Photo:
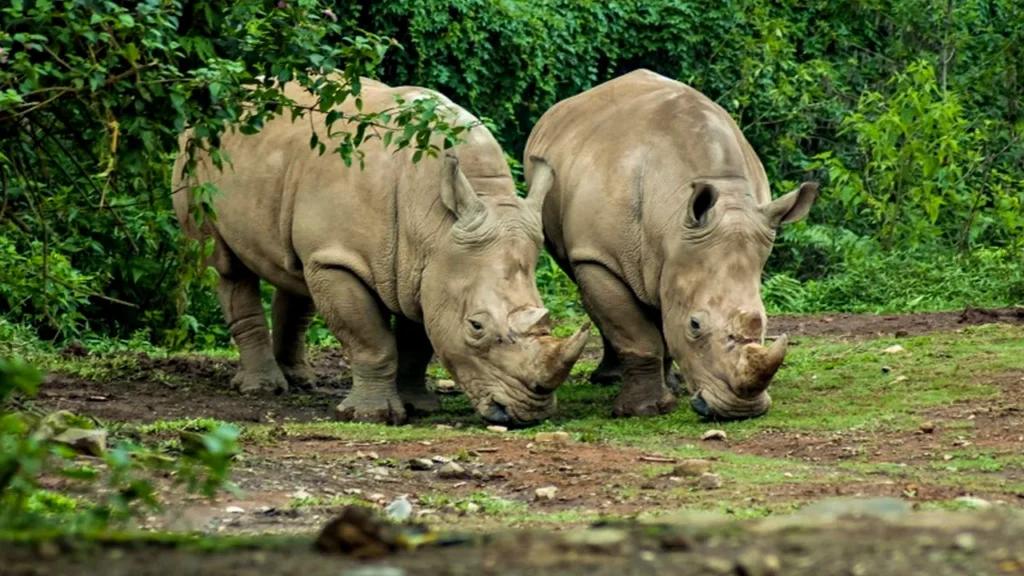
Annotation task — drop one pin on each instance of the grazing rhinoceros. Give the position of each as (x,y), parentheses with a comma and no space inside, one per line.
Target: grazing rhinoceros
(444,246)
(662,214)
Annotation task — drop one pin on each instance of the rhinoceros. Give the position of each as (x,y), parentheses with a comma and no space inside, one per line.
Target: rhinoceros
(443,247)
(662,214)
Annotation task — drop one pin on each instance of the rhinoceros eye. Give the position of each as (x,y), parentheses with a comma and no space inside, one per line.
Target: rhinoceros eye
(475,325)
(694,325)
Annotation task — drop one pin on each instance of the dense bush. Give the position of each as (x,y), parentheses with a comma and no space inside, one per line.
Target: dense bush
(907,110)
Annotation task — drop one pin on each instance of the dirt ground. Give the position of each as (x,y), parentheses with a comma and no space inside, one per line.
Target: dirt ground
(296,480)
(868,543)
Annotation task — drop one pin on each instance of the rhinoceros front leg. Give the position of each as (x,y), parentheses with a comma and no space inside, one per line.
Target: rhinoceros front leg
(361,323)
(635,340)
(239,294)
(414,354)
(609,371)
(292,314)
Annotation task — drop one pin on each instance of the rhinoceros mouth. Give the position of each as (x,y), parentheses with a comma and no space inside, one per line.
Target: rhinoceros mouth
(510,402)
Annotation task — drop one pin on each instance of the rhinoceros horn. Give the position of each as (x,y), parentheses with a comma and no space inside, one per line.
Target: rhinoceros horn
(758,365)
(559,356)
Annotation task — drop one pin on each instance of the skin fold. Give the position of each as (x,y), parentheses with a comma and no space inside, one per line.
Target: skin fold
(662,214)
(403,260)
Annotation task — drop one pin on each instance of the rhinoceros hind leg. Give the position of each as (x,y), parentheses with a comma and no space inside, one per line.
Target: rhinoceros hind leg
(609,371)
(292,315)
(239,292)
(635,339)
(360,321)
(414,354)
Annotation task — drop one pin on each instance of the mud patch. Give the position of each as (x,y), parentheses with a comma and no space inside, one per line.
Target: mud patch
(887,326)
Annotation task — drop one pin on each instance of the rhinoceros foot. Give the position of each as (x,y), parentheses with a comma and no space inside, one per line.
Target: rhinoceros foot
(640,402)
(420,401)
(299,376)
(266,382)
(605,376)
(382,411)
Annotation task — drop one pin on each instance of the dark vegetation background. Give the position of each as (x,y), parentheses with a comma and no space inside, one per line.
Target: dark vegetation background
(908,111)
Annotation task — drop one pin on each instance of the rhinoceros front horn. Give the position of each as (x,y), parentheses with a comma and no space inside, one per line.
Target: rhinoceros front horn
(559,356)
(758,365)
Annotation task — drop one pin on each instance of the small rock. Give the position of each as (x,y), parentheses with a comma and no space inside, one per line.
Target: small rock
(714,435)
(442,427)
(379,471)
(451,470)
(709,481)
(421,464)
(399,510)
(472,507)
(901,378)
(605,539)
(234,510)
(692,467)
(927,427)
(497,429)
(441,459)
(367,455)
(974,502)
(965,541)
(445,386)
(558,437)
(352,491)
(91,442)
(947,457)
(545,493)
(374,571)
(377,498)
(886,369)
(753,563)
(894,349)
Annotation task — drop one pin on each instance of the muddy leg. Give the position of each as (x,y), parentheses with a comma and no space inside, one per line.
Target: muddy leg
(414,353)
(609,371)
(635,339)
(361,323)
(239,293)
(292,314)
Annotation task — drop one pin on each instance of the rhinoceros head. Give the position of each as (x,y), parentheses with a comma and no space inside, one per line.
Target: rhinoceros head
(713,316)
(482,311)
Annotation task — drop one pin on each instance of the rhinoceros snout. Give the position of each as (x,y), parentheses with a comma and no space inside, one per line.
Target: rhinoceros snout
(705,411)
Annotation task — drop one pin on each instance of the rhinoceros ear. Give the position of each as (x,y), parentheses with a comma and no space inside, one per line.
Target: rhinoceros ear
(791,207)
(456,191)
(542,181)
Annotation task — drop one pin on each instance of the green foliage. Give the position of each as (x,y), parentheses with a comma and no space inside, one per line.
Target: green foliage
(93,97)
(31,453)
(908,111)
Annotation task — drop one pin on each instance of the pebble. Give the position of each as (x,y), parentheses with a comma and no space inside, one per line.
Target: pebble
(901,379)
(301,494)
(421,464)
(445,386)
(374,571)
(886,369)
(352,491)
(692,467)
(714,435)
(545,493)
(709,481)
(399,510)
(753,563)
(965,541)
(379,471)
(472,507)
(927,427)
(441,459)
(974,502)
(442,427)
(894,349)
(559,437)
(234,510)
(451,470)
(497,429)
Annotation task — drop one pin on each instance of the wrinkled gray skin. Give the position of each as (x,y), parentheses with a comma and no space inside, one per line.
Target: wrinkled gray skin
(443,246)
(662,214)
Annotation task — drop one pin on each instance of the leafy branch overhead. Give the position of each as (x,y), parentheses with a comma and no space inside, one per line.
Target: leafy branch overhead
(93,98)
